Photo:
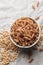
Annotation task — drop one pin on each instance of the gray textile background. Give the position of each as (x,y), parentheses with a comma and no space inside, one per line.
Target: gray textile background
(13,9)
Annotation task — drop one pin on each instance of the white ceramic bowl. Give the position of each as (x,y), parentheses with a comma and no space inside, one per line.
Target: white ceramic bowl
(30,45)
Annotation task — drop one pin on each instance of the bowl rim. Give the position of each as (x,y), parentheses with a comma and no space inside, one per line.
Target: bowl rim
(33,43)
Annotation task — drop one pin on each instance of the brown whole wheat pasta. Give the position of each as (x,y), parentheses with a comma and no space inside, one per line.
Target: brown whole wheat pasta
(38,3)
(24,31)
